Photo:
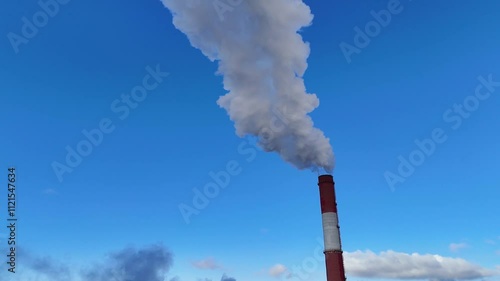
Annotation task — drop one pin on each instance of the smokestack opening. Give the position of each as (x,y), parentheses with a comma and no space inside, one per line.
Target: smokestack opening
(325,178)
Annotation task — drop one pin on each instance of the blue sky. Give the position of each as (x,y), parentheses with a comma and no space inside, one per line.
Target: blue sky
(127,191)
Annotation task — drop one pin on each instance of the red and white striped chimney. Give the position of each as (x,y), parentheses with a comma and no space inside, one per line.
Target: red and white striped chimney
(331,232)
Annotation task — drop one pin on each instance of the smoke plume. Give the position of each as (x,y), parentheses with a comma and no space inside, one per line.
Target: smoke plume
(262,58)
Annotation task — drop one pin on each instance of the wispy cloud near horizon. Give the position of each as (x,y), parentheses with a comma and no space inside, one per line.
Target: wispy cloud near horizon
(208,263)
(456,247)
(396,265)
(149,263)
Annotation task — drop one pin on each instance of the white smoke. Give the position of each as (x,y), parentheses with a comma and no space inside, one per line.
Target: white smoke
(263,59)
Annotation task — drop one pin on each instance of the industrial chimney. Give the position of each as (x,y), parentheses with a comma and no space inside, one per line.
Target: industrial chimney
(331,232)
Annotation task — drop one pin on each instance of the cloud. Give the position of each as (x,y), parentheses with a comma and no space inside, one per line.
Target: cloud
(394,265)
(49,191)
(208,263)
(226,278)
(44,266)
(455,247)
(150,263)
(130,264)
(223,278)
(278,270)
